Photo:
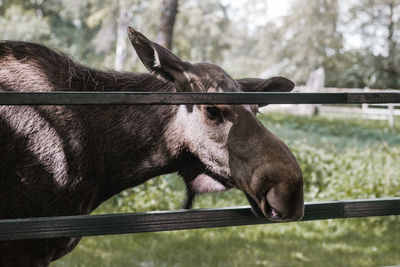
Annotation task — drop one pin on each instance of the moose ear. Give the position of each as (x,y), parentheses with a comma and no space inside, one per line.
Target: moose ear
(159,61)
(274,84)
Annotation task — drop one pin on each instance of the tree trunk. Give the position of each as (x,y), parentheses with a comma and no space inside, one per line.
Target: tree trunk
(169,10)
(393,69)
(122,24)
(391,25)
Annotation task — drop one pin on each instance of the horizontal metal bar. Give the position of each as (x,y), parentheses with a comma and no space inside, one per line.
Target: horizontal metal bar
(157,98)
(92,225)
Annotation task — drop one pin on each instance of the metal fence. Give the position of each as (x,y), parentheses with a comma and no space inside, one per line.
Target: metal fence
(90,225)
(157,98)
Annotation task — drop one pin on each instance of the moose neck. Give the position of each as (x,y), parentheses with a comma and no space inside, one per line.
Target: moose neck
(129,143)
(138,148)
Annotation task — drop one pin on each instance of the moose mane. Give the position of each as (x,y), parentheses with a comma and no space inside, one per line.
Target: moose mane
(64,74)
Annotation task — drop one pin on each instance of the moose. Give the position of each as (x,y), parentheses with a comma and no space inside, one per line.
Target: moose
(68,159)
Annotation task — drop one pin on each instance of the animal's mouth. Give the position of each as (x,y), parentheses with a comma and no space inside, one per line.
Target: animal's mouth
(264,209)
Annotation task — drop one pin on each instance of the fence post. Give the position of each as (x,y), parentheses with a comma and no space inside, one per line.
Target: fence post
(364,106)
(391,115)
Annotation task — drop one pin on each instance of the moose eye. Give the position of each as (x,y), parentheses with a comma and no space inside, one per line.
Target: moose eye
(213,111)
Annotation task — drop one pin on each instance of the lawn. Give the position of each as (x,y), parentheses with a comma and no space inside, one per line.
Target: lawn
(341,159)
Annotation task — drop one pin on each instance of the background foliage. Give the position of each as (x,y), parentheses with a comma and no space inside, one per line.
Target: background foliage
(357,41)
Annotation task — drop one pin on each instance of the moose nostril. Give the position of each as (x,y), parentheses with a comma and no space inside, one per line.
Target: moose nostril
(269,211)
(274,214)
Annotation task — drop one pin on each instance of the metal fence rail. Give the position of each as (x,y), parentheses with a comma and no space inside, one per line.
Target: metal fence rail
(157,98)
(92,225)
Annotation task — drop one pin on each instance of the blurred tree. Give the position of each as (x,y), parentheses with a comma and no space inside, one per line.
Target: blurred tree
(111,18)
(66,31)
(306,39)
(238,37)
(202,30)
(248,53)
(123,20)
(378,23)
(92,30)
(14,20)
(169,9)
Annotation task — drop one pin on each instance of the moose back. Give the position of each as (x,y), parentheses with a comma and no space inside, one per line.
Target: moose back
(66,160)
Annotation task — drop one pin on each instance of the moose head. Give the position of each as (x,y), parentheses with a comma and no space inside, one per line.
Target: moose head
(229,145)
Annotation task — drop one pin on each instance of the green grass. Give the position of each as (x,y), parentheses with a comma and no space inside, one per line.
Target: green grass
(341,159)
(328,243)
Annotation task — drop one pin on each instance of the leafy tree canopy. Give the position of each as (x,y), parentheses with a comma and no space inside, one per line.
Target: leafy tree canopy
(357,41)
